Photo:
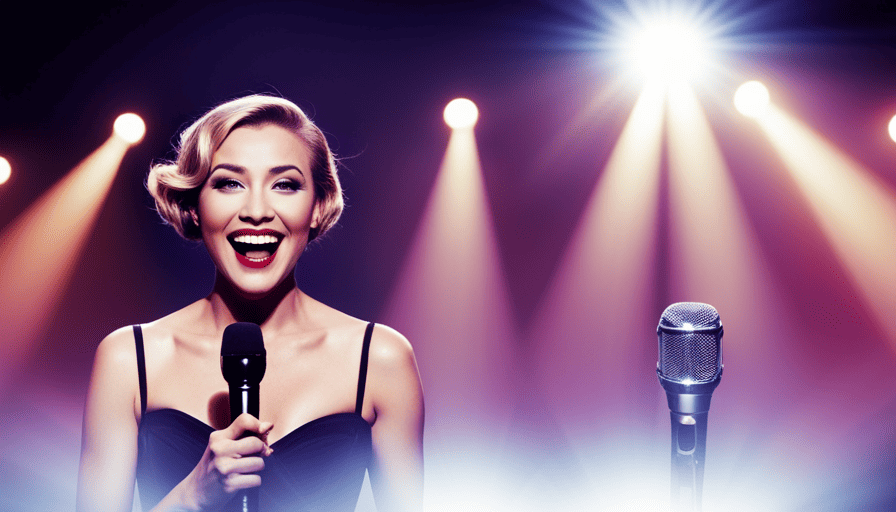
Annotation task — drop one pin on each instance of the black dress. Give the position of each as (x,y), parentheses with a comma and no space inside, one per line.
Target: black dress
(318,466)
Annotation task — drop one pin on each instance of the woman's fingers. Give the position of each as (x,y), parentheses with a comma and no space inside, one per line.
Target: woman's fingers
(227,466)
(235,482)
(245,423)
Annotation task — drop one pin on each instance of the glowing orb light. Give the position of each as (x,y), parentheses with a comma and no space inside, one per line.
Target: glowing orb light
(130,127)
(751,99)
(892,128)
(669,49)
(461,113)
(6,170)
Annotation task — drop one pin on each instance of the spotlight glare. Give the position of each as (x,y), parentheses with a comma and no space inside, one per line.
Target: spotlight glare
(751,99)
(5,170)
(461,113)
(130,127)
(669,49)
(892,128)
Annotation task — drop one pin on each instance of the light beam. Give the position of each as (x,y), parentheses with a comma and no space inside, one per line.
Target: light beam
(451,302)
(40,248)
(856,212)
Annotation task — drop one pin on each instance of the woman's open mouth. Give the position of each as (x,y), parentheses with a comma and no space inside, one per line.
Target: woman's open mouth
(254,249)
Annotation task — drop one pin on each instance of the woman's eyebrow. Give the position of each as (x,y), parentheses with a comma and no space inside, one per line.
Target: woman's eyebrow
(229,167)
(283,168)
(280,169)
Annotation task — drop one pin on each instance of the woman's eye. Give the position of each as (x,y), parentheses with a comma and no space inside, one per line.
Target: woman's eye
(226,184)
(288,185)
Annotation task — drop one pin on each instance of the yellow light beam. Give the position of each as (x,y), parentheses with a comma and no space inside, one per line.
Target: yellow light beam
(599,303)
(855,211)
(451,302)
(715,256)
(39,250)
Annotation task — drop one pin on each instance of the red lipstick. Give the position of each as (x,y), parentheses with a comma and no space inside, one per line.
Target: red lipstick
(253,263)
(251,251)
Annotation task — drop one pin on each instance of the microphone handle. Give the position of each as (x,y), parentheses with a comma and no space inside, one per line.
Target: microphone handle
(244,398)
(688,459)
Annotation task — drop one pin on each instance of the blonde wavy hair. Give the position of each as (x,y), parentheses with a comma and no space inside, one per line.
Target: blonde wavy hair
(175,185)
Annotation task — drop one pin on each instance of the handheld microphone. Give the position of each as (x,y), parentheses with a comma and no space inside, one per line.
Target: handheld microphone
(243,362)
(689,368)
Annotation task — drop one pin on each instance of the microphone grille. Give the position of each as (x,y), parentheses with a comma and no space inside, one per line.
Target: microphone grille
(690,343)
(242,339)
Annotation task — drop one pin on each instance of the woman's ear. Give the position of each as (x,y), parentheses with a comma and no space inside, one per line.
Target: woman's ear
(194,216)
(315,216)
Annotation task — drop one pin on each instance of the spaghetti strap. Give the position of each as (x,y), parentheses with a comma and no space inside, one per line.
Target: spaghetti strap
(362,374)
(141,367)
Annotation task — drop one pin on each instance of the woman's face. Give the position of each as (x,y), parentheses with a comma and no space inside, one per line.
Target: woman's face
(257,207)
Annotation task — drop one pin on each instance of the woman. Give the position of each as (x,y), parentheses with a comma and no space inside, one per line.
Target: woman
(255,180)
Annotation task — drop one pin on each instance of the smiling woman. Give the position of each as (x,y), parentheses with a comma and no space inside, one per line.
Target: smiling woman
(255,181)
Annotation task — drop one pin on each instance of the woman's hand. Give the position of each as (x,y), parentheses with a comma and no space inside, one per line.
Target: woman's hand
(230,463)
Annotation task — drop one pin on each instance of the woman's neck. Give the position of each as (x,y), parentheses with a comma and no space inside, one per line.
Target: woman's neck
(272,310)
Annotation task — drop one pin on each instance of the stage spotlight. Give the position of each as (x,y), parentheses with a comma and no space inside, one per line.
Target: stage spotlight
(892,128)
(669,49)
(751,99)
(6,169)
(130,128)
(461,113)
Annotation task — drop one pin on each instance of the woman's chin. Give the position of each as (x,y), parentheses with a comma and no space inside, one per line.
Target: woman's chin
(258,287)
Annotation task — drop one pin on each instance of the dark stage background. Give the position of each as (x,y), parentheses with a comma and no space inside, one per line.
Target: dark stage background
(539,373)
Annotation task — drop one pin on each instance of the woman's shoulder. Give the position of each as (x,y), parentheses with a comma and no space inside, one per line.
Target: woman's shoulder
(389,347)
(176,325)
(393,378)
(117,348)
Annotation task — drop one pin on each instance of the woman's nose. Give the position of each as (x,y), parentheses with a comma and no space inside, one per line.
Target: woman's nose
(256,209)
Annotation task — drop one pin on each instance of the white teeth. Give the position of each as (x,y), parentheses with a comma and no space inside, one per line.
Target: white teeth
(255,239)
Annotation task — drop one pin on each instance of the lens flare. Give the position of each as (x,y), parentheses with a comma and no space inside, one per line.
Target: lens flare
(130,128)
(752,99)
(461,113)
(6,170)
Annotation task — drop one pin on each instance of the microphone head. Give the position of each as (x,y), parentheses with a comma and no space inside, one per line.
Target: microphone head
(243,358)
(690,345)
(242,339)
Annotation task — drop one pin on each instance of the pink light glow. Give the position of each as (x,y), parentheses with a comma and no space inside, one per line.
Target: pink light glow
(856,212)
(39,251)
(451,302)
(599,304)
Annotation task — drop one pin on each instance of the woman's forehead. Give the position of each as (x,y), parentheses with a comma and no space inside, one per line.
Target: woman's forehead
(263,145)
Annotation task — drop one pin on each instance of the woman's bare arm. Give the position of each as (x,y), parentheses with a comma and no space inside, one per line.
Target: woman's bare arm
(109,443)
(109,432)
(396,473)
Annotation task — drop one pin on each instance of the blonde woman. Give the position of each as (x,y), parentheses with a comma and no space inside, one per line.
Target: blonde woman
(254,180)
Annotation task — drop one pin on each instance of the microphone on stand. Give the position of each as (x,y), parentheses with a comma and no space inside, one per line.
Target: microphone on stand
(243,362)
(689,368)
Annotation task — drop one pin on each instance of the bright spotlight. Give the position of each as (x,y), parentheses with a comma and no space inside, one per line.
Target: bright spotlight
(751,99)
(129,127)
(6,169)
(461,113)
(669,49)
(892,128)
